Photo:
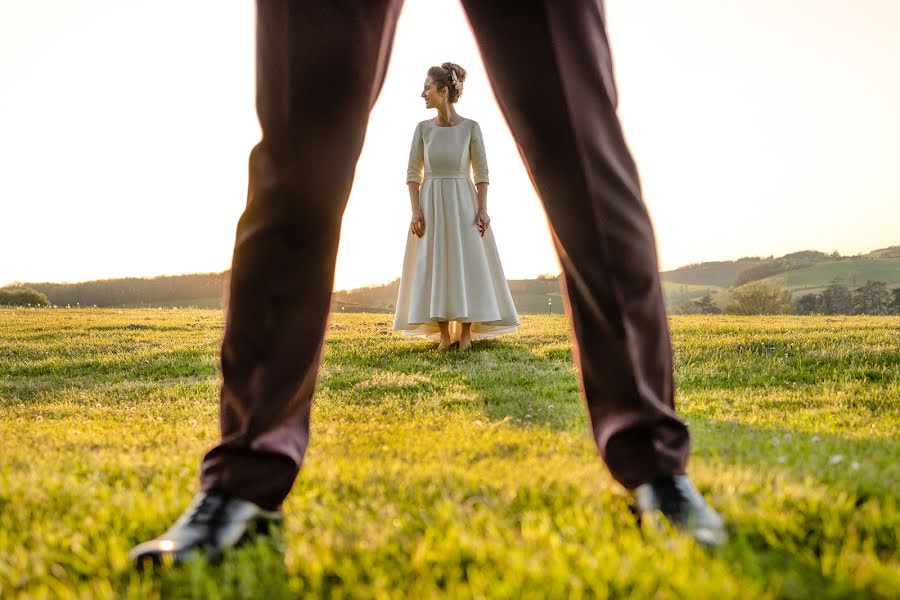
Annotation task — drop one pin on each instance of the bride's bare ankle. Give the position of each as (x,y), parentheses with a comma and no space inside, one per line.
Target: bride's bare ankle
(465,338)
(445,342)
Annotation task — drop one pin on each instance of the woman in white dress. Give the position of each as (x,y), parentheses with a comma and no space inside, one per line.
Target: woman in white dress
(452,286)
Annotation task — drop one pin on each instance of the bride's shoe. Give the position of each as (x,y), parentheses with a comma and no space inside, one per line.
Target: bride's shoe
(465,344)
(445,345)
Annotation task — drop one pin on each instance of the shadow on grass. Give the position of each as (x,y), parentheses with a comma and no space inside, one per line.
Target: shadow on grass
(495,380)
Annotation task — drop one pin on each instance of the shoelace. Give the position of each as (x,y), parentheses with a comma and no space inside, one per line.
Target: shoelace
(208,509)
(673,497)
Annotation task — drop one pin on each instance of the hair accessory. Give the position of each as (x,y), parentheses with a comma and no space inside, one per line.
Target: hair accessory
(456,82)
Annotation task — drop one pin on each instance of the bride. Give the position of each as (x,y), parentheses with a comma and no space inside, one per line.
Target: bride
(452,286)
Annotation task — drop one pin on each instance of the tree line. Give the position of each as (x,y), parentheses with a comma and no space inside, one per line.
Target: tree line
(762,298)
(22,297)
(754,298)
(131,291)
(872,298)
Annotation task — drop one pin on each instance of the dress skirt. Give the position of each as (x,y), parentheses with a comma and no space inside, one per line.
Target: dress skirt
(452,273)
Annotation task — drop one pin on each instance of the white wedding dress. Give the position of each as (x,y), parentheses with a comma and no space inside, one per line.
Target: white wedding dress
(451,273)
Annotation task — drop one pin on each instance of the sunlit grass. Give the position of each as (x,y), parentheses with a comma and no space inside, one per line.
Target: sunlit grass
(452,475)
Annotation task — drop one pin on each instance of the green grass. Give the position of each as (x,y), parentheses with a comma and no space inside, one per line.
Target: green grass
(212,302)
(453,475)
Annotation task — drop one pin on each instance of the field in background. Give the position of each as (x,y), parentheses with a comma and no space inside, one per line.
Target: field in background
(799,272)
(453,475)
(717,279)
(852,272)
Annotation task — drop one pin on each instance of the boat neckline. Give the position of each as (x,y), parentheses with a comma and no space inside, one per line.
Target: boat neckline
(446,126)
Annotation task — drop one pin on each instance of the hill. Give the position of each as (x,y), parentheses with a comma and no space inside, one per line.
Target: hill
(852,272)
(718,274)
(201,290)
(890,252)
(805,271)
(207,290)
(744,270)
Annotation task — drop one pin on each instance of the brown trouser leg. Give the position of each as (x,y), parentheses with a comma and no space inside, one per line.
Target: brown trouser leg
(550,67)
(320,66)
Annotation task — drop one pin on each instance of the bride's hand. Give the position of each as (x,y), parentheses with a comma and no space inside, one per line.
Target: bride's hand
(417,223)
(482,221)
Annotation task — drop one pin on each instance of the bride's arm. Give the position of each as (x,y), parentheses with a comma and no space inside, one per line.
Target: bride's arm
(413,181)
(417,222)
(481,189)
(480,174)
(482,220)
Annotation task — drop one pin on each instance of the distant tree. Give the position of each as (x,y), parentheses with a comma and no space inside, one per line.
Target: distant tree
(134,290)
(547,277)
(872,298)
(894,308)
(706,306)
(684,307)
(23,297)
(805,258)
(759,298)
(807,304)
(767,268)
(835,299)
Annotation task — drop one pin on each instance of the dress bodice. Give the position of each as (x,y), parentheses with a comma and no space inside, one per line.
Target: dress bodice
(447,152)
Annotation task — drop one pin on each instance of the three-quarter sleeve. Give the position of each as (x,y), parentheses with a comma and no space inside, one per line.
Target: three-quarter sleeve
(478,156)
(416,157)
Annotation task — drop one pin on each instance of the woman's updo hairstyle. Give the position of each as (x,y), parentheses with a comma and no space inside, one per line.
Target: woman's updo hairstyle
(450,76)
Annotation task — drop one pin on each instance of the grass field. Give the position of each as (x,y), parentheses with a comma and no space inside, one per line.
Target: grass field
(453,475)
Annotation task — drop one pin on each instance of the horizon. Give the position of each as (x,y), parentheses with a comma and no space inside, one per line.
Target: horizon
(135,161)
(397,277)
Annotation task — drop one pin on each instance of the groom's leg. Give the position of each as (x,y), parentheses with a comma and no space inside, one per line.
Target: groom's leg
(320,66)
(550,66)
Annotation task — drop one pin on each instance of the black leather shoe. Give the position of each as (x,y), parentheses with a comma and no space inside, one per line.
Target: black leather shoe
(679,501)
(213,522)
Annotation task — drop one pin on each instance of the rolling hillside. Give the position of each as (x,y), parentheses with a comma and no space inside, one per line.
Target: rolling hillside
(800,272)
(852,272)
(717,274)
(744,270)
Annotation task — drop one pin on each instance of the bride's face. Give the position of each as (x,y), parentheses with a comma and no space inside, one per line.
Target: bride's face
(433,98)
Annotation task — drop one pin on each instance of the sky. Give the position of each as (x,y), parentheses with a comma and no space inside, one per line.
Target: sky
(760,127)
